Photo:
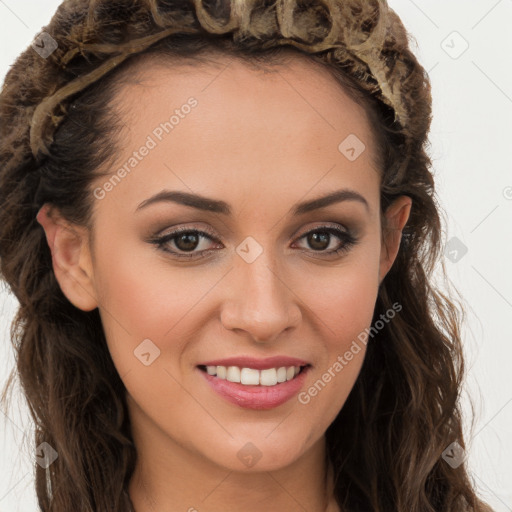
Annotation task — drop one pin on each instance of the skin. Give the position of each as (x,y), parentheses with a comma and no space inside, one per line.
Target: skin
(290,301)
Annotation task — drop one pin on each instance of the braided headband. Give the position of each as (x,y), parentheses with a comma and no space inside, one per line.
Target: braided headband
(44,111)
(368,52)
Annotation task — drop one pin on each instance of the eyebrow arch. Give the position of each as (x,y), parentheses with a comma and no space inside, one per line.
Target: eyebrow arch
(213,205)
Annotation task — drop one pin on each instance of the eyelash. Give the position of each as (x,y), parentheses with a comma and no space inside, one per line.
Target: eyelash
(161,242)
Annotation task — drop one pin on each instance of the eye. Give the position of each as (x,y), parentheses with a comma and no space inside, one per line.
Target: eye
(321,238)
(185,240)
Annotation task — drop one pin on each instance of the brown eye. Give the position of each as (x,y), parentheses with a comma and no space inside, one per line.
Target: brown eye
(184,242)
(187,241)
(319,240)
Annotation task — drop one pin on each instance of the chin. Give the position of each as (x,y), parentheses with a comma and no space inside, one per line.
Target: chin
(257,454)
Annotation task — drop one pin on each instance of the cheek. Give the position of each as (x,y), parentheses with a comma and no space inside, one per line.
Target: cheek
(137,300)
(344,298)
(344,303)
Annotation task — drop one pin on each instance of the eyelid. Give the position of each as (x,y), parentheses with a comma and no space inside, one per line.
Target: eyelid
(347,238)
(213,235)
(317,227)
(179,229)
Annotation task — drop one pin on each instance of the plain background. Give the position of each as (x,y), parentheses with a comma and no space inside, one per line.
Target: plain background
(465,47)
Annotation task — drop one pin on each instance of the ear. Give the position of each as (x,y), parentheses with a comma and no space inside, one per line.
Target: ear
(396,216)
(70,257)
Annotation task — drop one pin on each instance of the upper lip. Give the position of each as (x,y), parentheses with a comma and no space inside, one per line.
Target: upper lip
(257,363)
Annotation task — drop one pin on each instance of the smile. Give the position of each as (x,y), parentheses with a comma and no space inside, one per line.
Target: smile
(261,388)
(252,376)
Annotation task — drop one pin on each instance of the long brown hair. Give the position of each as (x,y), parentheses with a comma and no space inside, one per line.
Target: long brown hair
(58,127)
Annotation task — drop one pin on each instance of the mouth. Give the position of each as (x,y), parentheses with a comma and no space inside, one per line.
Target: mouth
(255,388)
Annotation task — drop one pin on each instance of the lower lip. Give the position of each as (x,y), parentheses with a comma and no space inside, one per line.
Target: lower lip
(256,397)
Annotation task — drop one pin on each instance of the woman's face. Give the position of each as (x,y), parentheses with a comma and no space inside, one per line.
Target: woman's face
(239,160)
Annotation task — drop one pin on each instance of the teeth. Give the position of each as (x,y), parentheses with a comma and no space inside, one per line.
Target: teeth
(221,372)
(281,374)
(268,377)
(252,377)
(233,374)
(249,376)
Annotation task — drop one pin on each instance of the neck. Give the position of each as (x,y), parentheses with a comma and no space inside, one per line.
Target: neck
(170,477)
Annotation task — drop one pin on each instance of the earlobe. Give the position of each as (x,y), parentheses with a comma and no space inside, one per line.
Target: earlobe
(396,217)
(70,258)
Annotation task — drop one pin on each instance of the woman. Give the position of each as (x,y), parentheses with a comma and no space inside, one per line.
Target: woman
(219,222)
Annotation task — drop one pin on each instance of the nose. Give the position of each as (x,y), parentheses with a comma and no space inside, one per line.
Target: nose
(261,304)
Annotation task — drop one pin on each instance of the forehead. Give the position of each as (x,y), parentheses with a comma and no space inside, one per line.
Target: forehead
(268,128)
(288,80)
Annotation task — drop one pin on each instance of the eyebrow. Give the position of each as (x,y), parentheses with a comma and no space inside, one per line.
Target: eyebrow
(217,206)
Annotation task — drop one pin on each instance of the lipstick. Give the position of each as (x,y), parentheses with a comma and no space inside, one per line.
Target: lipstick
(255,383)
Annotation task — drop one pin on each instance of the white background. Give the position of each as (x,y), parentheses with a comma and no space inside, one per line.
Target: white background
(471,150)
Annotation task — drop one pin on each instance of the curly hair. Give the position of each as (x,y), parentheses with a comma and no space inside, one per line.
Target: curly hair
(58,127)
